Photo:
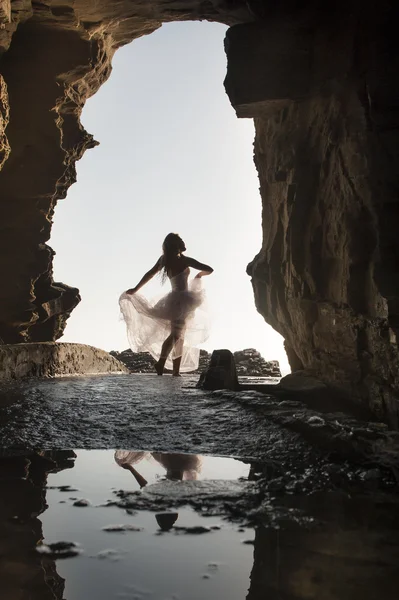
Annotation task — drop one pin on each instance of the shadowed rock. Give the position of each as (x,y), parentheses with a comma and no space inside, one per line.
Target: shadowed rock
(322,87)
(221,373)
(50,359)
(166,520)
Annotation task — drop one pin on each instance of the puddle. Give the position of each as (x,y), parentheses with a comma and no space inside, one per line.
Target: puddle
(138,525)
(128,555)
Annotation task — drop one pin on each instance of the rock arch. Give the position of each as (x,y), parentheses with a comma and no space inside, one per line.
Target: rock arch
(320,81)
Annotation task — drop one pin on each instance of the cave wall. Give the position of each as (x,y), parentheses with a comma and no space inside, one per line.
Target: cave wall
(326,110)
(319,79)
(55,55)
(24,573)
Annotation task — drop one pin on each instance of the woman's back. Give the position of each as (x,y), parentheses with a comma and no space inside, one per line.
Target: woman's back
(175,265)
(180,281)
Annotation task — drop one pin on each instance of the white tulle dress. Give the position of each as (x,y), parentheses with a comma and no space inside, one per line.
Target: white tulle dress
(183,309)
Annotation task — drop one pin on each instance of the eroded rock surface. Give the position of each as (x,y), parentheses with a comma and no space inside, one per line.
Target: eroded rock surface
(221,373)
(326,110)
(50,359)
(57,56)
(23,572)
(322,88)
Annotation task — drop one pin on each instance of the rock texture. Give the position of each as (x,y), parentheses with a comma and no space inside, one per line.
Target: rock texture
(50,359)
(25,573)
(55,56)
(326,110)
(248,362)
(321,82)
(221,373)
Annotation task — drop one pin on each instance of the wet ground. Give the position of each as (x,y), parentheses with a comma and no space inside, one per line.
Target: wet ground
(208,495)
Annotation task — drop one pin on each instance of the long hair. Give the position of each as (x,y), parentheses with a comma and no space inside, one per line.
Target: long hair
(171,247)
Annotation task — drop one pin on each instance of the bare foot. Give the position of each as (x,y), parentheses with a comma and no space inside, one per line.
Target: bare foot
(158,368)
(176,375)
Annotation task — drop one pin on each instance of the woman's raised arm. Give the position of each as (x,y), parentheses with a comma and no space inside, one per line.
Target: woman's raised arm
(202,268)
(149,275)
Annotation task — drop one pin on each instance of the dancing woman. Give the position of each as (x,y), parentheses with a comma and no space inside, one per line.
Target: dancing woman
(175,324)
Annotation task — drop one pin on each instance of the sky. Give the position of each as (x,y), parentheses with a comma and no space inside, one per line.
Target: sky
(173,156)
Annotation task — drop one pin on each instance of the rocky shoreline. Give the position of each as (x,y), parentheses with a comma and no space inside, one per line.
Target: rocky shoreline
(249,362)
(55,359)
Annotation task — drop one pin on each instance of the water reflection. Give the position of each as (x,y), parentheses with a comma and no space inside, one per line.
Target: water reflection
(349,551)
(178,467)
(23,573)
(352,553)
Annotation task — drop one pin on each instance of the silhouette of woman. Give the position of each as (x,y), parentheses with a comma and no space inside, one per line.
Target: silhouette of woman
(178,467)
(176,324)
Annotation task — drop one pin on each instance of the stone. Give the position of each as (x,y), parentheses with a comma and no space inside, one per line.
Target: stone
(322,87)
(221,373)
(51,359)
(82,503)
(301,382)
(194,530)
(59,550)
(121,528)
(166,520)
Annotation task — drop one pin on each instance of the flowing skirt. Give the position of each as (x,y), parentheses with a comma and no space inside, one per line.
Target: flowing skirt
(150,322)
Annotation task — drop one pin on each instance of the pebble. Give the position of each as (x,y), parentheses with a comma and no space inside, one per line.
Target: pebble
(82,502)
(62,488)
(59,549)
(121,528)
(196,529)
(166,520)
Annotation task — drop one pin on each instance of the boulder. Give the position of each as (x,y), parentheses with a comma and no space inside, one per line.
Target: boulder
(301,382)
(221,373)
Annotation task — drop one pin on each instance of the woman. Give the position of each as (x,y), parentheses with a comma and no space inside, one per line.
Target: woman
(179,467)
(175,324)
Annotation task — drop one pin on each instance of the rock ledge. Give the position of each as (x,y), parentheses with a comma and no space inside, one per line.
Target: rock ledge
(52,359)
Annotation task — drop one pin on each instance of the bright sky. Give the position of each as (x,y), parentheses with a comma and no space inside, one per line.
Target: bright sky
(173,157)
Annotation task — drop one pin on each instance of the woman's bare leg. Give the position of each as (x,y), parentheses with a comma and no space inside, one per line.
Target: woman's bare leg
(166,348)
(176,366)
(179,352)
(174,338)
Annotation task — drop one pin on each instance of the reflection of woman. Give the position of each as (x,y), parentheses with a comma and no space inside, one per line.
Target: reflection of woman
(126,460)
(178,466)
(174,324)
